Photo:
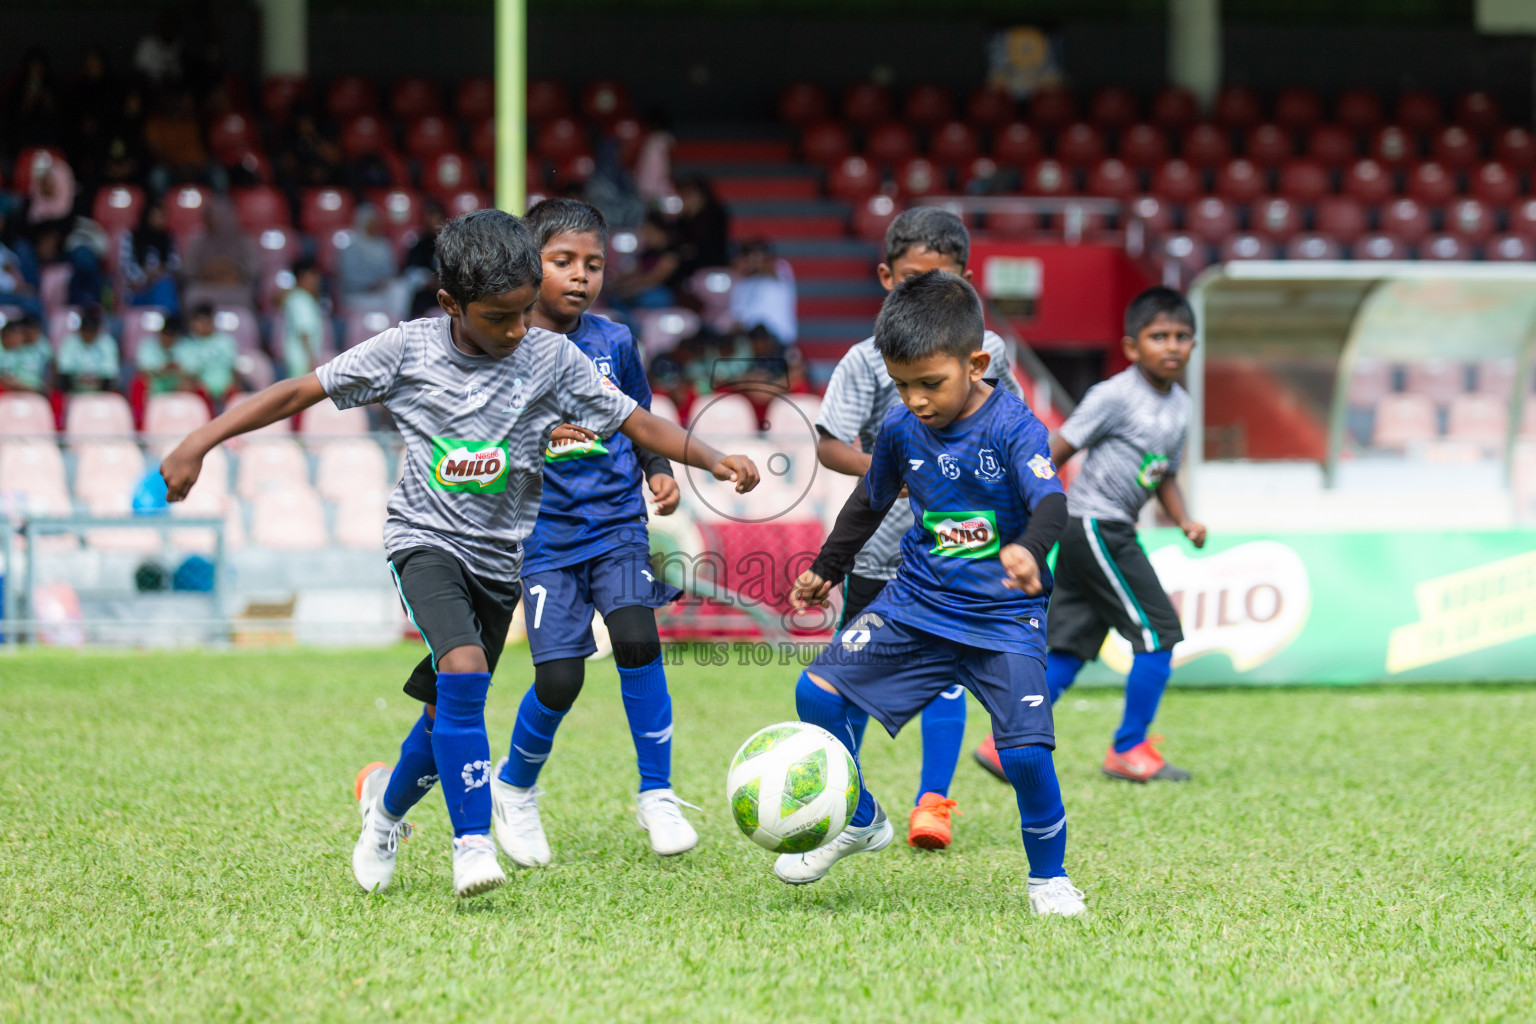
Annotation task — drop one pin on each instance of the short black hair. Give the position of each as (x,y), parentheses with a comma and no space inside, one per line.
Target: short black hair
(90,317)
(932,312)
(486,252)
(303,266)
(550,217)
(202,309)
(930,228)
(1156,302)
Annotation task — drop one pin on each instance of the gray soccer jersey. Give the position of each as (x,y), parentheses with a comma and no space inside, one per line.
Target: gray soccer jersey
(858,396)
(1134,435)
(475,430)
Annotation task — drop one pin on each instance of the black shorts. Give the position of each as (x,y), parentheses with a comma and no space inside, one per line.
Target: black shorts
(1104,580)
(452,607)
(858,592)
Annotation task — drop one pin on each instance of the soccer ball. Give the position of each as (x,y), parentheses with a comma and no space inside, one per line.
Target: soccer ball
(792,787)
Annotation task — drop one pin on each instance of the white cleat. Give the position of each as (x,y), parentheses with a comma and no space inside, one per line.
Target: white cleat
(801,868)
(660,813)
(515,816)
(373,858)
(1056,896)
(475,869)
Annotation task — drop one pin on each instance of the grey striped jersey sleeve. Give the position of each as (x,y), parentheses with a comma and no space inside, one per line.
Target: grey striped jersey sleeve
(849,399)
(365,373)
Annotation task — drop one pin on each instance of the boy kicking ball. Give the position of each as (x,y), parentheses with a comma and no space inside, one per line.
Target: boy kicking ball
(1133,428)
(476,396)
(965,605)
(858,397)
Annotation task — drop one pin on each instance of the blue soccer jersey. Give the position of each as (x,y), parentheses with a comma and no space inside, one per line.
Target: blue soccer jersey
(592,492)
(972,487)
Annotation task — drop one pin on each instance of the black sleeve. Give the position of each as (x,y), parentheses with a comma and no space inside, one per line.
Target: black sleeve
(651,463)
(856,523)
(1045,525)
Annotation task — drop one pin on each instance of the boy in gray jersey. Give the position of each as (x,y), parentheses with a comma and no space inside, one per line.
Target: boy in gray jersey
(1132,427)
(476,396)
(858,397)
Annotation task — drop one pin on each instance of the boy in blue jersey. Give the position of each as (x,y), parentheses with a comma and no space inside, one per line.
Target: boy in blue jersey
(965,604)
(590,550)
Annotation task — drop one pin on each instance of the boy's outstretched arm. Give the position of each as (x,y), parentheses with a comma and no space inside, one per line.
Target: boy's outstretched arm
(1172,499)
(284,399)
(671,441)
(1061,451)
(840,456)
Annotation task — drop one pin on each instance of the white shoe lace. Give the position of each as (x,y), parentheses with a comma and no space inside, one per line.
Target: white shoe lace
(523,811)
(667,808)
(388,833)
(1059,886)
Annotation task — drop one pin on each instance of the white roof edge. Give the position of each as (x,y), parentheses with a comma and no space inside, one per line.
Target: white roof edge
(1365,270)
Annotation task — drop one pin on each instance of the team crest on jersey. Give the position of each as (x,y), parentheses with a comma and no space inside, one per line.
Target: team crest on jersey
(963,534)
(607,382)
(604,366)
(949,466)
(475,395)
(469,467)
(988,467)
(519,396)
(1041,467)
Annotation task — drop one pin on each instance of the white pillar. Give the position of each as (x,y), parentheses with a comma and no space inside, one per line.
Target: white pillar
(284,37)
(1194,47)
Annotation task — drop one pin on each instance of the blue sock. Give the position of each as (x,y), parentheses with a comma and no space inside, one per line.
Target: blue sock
(1143,689)
(830,711)
(943,732)
(415,773)
(462,752)
(858,721)
(532,736)
(1043,820)
(649,708)
(1061,671)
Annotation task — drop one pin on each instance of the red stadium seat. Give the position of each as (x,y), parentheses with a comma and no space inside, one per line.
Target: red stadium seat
(1047,178)
(1341,217)
(1113,107)
(928,105)
(323,210)
(1206,145)
(1079,144)
(1176,181)
(1394,146)
(1313,246)
(1156,213)
(919,176)
(1298,109)
(1402,420)
(1359,110)
(560,139)
(1269,144)
(429,137)
(1438,380)
(232,133)
(952,143)
(364,135)
(1053,107)
(1444,247)
(1016,145)
(400,210)
(1306,181)
(989,107)
(1210,219)
(482,140)
(1516,147)
(1431,184)
(1175,109)
(1186,252)
(825,142)
(1406,219)
(873,216)
(889,142)
(1241,180)
(1275,217)
(567,173)
(465,200)
(279,93)
(866,103)
(118,207)
(260,207)
(1238,108)
(32,161)
(1478,111)
(1470,219)
(1112,179)
(547,100)
(1246,247)
(853,179)
(1455,147)
(1479,418)
(186,210)
(253,163)
(1143,145)
(1495,376)
(350,96)
(1493,182)
(1419,111)
(1333,145)
(802,103)
(277,247)
(411,98)
(475,98)
(1379,247)
(980,175)
(629,133)
(604,100)
(1368,181)
(1509,249)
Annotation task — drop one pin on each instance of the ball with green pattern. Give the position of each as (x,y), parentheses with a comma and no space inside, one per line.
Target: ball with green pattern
(792,787)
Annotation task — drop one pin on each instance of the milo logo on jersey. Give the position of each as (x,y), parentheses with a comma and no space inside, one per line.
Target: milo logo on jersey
(474,467)
(1153,468)
(565,451)
(963,534)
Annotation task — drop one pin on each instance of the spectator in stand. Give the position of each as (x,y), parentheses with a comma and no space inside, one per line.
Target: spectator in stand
(205,356)
(158,55)
(421,260)
(50,208)
(365,269)
(85,250)
(303,321)
(764,292)
(88,359)
(702,231)
(149,262)
(174,140)
(653,166)
(668,379)
(26,358)
(31,106)
(307,157)
(93,105)
(644,286)
(157,372)
(221,267)
(15,289)
(124,158)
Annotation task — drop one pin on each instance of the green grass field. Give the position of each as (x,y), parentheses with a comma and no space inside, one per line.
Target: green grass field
(175,833)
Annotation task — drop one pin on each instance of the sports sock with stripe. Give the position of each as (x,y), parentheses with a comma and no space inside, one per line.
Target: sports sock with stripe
(532,737)
(415,772)
(858,721)
(943,733)
(1143,690)
(1043,819)
(648,706)
(830,711)
(1061,671)
(461,750)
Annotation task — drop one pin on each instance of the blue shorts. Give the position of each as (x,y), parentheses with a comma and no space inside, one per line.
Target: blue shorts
(893,671)
(558,603)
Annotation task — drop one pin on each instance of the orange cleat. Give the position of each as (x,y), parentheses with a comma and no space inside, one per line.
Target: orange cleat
(986,756)
(368,769)
(1142,763)
(930,828)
